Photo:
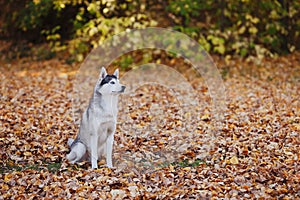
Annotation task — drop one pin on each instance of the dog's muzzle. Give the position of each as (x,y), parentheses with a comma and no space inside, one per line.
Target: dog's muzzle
(122,89)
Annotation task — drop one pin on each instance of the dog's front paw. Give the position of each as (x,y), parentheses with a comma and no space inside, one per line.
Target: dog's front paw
(109,165)
(112,167)
(94,165)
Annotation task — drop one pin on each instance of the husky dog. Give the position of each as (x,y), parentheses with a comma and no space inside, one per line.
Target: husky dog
(98,123)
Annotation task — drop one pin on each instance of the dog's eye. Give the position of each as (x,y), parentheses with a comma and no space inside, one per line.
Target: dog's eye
(112,82)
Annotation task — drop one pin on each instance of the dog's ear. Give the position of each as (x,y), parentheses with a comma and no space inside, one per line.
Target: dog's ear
(116,73)
(103,73)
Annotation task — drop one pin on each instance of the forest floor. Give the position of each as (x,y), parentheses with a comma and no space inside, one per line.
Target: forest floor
(255,154)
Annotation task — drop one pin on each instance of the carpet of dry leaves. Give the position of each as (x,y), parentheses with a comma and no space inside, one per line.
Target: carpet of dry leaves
(256,153)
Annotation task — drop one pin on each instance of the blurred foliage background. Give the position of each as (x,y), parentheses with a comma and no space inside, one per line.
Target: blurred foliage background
(246,28)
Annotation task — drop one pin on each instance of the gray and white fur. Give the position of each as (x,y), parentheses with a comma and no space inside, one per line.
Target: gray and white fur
(98,123)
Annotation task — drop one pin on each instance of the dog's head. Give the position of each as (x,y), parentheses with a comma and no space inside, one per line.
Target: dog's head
(109,84)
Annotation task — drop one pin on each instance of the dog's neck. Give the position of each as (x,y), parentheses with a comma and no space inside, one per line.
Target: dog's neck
(107,103)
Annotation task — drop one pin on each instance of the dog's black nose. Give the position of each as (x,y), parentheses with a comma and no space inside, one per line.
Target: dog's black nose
(123,88)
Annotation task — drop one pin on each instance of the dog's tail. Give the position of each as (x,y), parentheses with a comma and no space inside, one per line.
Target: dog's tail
(72,157)
(70,142)
(78,150)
